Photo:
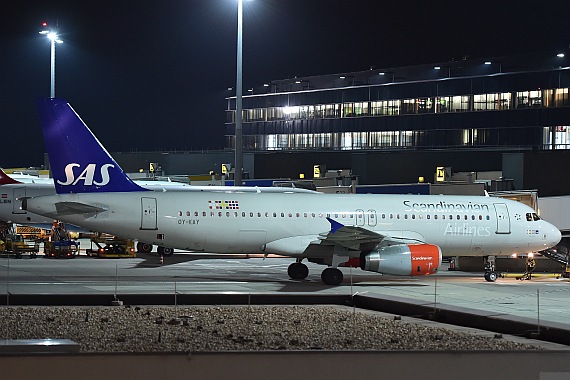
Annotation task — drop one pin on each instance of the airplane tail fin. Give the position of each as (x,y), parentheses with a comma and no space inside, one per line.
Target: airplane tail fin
(5,179)
(79,163)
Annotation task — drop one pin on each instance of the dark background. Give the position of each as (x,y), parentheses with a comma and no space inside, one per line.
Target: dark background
(149,75)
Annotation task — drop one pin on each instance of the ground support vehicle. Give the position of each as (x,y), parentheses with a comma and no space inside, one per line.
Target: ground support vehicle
(14,244)
(111,247)
(63,249)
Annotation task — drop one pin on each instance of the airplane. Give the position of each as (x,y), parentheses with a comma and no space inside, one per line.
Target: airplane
(388,234)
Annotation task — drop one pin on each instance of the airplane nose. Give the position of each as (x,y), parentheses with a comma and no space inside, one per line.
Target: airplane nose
(554,235)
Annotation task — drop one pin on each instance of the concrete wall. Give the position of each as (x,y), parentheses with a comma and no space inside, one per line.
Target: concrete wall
(364,365)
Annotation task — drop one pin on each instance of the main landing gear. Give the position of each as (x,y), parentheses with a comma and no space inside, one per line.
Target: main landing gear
(490,274)
(299,271)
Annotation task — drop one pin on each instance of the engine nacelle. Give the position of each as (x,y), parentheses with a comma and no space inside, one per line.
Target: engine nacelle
(403,260)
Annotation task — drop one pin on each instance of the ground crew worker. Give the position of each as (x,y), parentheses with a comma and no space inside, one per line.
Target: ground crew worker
(530,265)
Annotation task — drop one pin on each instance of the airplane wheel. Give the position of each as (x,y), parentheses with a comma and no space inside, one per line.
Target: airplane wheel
(165,251)
(144,247)
(491,276)
(332,276)
(298,271)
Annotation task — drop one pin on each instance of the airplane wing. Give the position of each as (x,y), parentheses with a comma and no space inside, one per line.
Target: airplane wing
(349,237)
(74,208)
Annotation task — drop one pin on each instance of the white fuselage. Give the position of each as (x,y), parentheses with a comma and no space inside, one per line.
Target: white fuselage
(11,196)
(286,223)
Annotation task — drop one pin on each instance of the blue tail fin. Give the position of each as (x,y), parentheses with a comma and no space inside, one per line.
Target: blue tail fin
(79,163)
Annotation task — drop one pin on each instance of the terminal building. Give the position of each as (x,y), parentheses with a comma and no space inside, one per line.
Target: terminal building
(396,124)
(509,115)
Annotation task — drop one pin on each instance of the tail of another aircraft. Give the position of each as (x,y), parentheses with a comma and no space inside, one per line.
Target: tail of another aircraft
(5,179)
(79,163)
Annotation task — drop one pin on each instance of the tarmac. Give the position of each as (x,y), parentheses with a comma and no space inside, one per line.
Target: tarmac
(534,309)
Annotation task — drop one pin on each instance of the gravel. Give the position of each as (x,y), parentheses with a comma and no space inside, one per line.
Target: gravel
(255,328)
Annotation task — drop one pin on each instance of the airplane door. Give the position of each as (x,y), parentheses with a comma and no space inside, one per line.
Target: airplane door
(148,213)
(503,220)
(359,217)
(371,218)
(19,192)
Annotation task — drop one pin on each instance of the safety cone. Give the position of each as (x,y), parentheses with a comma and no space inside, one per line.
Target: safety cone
(161,259)
(452,264)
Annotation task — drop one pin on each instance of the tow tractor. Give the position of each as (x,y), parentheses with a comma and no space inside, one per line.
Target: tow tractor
(14,244)
(59,244)
(111,247)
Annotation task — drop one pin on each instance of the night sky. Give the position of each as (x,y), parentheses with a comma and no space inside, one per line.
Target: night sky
(152,75)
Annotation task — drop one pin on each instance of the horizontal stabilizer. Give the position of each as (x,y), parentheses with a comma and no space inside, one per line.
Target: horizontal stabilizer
(75,208)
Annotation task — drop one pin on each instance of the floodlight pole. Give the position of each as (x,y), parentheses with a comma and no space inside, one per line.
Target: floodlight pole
(238,132)
(52,86)
(53,39)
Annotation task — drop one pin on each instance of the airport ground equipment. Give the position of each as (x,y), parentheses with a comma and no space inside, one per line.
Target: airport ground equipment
(14,244)
(59,244)
(111,247)
(64,249)
(35,233)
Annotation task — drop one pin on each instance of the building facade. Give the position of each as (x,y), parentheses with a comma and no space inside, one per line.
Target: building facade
(514,102)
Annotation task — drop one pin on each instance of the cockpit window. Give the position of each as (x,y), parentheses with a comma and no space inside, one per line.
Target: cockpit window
(535,216)
(529,217)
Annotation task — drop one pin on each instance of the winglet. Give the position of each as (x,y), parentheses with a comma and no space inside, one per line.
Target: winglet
(334,225)
(5,179)
(79,163)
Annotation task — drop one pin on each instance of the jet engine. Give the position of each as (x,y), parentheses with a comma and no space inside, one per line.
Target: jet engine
(403,259)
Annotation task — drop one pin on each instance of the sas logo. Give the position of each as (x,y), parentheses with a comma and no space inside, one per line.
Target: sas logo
(87,175)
